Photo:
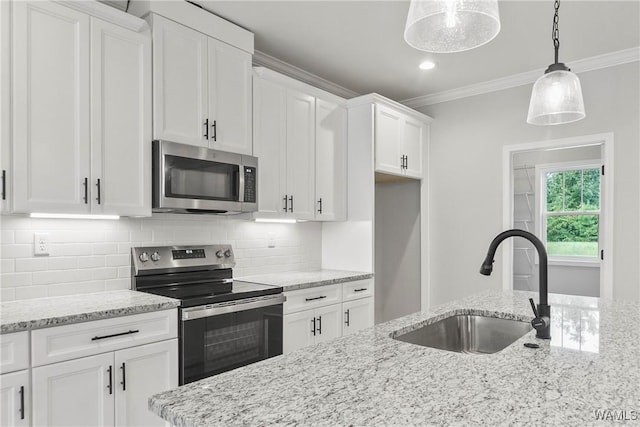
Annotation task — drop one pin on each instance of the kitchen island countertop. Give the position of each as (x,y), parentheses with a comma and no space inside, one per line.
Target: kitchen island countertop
(590,368)
(292,281)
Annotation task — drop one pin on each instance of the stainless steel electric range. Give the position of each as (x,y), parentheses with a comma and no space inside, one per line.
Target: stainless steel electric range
(223,323)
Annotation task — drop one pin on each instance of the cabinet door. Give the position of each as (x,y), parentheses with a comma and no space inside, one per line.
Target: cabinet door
(120,119)
(229,98)
(358,314)
(75,393)
(413,137)
(14,399)
(297,331)
(331,161)
(5,106)
(50,108)
(388,134)
(328,323)
(269,118)
(301,154)
(142,372)
(179,83)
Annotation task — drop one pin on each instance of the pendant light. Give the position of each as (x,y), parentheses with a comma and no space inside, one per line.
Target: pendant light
(556,97)
(447,26)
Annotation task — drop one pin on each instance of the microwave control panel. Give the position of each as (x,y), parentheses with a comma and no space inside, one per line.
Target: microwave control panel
(249,184)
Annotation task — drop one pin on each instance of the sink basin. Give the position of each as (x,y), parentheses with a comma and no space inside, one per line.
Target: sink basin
(468,334)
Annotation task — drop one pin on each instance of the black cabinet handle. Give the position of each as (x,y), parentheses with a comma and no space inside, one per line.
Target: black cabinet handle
(285,203)
(124,377)
(320,203)
(319,325)
(99,198)
(215,131)
(406,161)
(291,200)
(86,190)
(206,129)
(133,331)
(360,290)
(21,410)
(4,184)
(313,326)
(402,162)
(315,298)
(346,314)
(110,386)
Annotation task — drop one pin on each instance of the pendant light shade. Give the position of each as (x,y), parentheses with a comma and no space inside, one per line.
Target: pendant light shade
(556,98)
(447,26)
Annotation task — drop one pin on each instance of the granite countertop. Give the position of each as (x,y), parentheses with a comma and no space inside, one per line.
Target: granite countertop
(591,364)
(307,279)
(39,313)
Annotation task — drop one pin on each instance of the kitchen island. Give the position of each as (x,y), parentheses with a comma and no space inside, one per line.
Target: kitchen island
(589,370)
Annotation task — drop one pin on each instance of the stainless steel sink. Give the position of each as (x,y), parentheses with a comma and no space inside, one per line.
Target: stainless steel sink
(468,334)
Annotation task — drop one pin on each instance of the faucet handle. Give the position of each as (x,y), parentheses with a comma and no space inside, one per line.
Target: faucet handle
(533,307)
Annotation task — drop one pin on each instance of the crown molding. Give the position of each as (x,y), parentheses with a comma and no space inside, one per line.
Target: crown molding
(261,59)
(107,13)
(580,66)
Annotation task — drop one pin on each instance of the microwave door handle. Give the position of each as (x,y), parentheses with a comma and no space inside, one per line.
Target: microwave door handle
(241,189)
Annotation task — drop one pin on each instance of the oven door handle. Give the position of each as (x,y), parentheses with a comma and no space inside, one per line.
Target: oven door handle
(192,313)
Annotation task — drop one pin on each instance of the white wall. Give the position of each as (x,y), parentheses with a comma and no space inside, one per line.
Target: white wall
(397,249)
(94,255)
(467,140)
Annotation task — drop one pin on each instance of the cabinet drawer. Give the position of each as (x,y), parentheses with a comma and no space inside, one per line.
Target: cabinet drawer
(357,289)
(306,299)
(14,352)
(84,339)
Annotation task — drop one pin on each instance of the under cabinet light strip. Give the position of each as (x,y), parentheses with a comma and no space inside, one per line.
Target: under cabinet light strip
(276,220)
(72,216)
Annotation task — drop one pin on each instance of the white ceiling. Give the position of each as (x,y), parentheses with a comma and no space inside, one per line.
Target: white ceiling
(359,44)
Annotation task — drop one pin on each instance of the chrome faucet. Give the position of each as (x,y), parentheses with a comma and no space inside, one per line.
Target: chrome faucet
(542,320)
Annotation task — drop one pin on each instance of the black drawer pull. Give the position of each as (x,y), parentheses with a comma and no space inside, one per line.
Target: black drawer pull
(346,315)
(320,325)
(124,377)
(313,326)
(114,335)
(4,185)
(360,290)
(315,298)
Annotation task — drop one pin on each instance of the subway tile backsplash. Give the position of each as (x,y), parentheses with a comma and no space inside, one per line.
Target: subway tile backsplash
(94,255)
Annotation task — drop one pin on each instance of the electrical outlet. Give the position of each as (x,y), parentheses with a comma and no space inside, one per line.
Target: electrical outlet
(271,240)
(41,244)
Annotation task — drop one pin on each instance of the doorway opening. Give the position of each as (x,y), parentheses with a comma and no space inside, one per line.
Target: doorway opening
(560,191)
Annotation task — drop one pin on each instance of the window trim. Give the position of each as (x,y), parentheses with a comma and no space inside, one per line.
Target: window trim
(540,226)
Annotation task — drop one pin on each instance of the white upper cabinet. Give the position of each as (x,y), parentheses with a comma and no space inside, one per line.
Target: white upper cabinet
(399,135)
(80,101)
(229,98)
(179,83)
(331,161)
(5,107)
(201,88)
(120,117)
(301,111)
(50,108)
(300,140)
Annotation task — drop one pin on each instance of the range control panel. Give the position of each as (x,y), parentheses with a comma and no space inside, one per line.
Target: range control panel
(152,259)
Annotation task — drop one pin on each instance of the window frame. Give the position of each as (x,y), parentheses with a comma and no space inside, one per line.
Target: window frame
(541,171)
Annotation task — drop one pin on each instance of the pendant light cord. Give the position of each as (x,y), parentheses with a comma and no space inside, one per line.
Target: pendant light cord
(555,33)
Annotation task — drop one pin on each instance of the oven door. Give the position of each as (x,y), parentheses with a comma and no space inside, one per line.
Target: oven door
(219,337)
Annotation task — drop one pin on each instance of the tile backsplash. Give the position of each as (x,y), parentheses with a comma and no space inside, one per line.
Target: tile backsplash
(94,255)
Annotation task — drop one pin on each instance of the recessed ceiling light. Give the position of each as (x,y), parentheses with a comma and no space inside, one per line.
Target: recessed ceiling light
(427,65)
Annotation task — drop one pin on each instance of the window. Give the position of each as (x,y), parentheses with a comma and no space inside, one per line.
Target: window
(569,207)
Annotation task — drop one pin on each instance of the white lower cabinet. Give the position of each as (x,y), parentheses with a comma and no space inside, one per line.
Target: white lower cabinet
(357,315)
(14,399)
(102,373)
(311,327)
(320,314)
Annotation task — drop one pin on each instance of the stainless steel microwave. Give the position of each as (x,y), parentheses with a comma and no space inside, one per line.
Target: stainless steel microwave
(190,179)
